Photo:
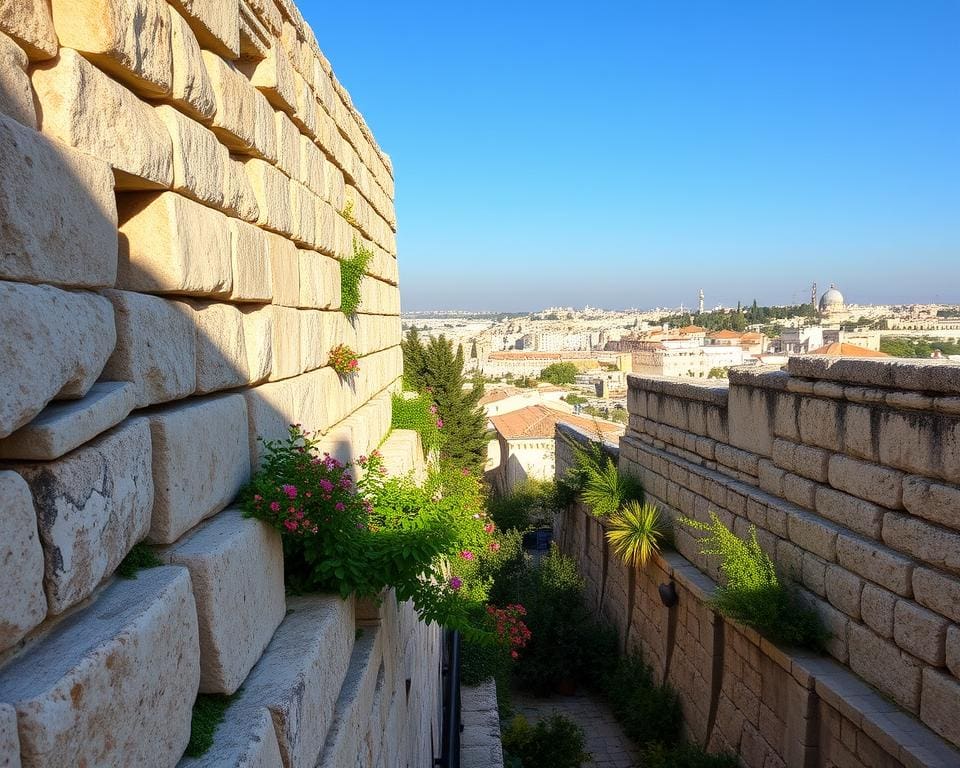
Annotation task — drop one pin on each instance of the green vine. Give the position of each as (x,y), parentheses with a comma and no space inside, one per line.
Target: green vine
(419,414)
(347,213)
(352,271)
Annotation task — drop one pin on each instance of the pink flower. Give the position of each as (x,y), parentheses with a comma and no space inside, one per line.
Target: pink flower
(257,497)
(489,528)
(439,423)
(465,472)
(340,506)
(291,525)
(494,546)
(290,490)
(274,506)
(326,485)
(433,409)
(466,554)
(456,583)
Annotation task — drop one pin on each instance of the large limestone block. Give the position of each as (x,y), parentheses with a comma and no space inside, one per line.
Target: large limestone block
(286,361)
(238,196)
(113,684)
(264,128)
(199,159)
(236,566)
(16,98)
(273,77)
(63,426)
(272,190)
(284,271)
(250,258)
(9,740)
(191,89)
(201,459)
(169,244)
(312,167)
(302,214)
(258,336)
(156,347)
(53,344)
(288,145)
(270,410)
(334,185)
(306,115)
(30,24)
(327,224)
(92,506)
(308,401)
(83,107)
(316,338)
(937,502)
(216,24)
(248,742)
(130,39)
(24,604)
(58,212)
(319,281)
(221,347)
(235,115)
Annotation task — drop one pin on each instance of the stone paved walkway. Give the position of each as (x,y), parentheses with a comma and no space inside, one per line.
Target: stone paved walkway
(604,738)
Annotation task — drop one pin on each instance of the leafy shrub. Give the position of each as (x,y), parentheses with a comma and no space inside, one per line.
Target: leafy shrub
(685,755)
(528,505)
(554,742)
(352,271)
(648,712)
(419,414)
(753,593)
(635,532)
(607,489)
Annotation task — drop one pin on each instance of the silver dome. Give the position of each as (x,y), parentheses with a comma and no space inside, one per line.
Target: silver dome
(832,299)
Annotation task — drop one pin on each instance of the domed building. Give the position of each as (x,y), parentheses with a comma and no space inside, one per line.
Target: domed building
(832,303)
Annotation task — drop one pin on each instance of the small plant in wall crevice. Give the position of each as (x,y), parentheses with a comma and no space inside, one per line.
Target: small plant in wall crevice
(352,271)
(344,360)
(635,532)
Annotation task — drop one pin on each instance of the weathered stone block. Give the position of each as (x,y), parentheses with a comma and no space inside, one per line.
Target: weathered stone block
(937,591)
(312,167)
(92,506)
(875,562)
(58,212)
(83,107)
(258,336)
(923,444)
(250,261)
(953,649)
(925,542)
(199,159)
(169,244)
(854,513)
(288,145)
(16,97)
(273,77)
(319,281)
(130,39)
(858,434)
(920,632)
(156,347)
(39,330)
(876,608)
(885,666)
(191,89)
(9,740)
(221,347)
(30,24)
(238,197)
(814,535)
(21,567)
(236,111)
(201,459)
(843,590)
(872,482)
(113,684)
(63,426)
(272,191)
(317,335)
(940,704)
(270,410)
(800,491)
(820,423)
(236,567)
(937,502)
(302,214)
(264,128)
(284,271)
(216,23)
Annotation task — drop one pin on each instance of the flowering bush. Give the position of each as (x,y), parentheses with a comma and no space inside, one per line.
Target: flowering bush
(420,414)
(343,360)
(510,629)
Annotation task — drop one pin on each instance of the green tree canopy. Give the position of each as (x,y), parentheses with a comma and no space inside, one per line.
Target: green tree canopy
(559,373)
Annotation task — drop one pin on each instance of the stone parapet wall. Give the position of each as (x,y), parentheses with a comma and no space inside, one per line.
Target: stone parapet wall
(739,692)
(179,184)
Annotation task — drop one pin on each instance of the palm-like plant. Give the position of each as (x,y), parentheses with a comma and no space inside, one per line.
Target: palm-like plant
(606,489)
(635,532)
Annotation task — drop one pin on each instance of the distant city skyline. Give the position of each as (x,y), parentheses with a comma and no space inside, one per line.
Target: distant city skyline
(630,153)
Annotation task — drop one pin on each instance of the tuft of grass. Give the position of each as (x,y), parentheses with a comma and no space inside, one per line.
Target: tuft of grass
(138,558)
(606,489)
(209,711)
(352,271)
(635,532)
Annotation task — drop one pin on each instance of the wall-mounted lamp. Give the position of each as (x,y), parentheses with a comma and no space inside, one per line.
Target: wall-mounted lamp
(668,594)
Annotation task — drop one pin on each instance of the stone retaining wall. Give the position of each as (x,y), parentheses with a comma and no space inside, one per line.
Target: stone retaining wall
(807,456)
(179,183)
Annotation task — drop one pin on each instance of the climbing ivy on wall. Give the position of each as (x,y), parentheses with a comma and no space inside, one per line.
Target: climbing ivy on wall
(351,274)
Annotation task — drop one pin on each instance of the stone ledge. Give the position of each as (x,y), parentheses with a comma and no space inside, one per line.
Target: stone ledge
(715,394)
(917,375)
(480,744)
(765,376)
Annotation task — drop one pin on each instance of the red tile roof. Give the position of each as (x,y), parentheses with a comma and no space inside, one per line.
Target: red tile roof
(838,349)
(539,421)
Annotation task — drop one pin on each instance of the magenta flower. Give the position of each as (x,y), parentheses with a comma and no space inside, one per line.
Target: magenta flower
(466,554)
(326,485)
(340,506)
(439,423)
(456,583)
(433,409)
(290,490)
(274,506)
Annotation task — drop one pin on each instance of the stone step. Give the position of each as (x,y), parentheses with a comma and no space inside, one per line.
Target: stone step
(294,685)
(112,684)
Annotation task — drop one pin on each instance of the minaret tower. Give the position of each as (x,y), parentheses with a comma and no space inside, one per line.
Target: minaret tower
(813,296)
(700,310)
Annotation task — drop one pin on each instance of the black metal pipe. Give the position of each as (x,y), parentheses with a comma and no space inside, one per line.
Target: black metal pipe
(450,739)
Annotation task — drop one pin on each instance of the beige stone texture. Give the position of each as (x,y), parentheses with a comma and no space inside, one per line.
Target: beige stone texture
(934,546)
(327,224)
(58,212)
(201,459)
(880,485)
(302,214)
(221,347)
(319,281)
(312,167)
(820,423)
(169,244)
(16,96)
(288,145)
(83,107)
(854,513)
(883,665)
(875,562)
(272,190)
(238,195)
(273,77)
(284,271)
(21,565)
(306,115)
(199,160)
(250,260)
(264,128)
(216,23)
(92,506)
(920,632)
(130,39)
(40,327)
(255,38)
(876,609)
(156,347)
(921,443)
(937,502)
(63,426)
(843,590)
(334,185)
(236,110)
(268,14)
(113,684)
(236,568)
(258,335)
(29,23)
(937,591)
(814,535)
(191,89)
(317,334)
(940,704)
(270,410)
(286,343)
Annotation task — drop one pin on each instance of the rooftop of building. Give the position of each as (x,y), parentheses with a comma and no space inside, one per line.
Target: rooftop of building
(539,421)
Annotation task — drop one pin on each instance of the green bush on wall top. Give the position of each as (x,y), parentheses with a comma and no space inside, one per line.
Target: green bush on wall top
(419,414)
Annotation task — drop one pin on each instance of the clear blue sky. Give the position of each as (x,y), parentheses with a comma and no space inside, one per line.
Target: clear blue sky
(626,154)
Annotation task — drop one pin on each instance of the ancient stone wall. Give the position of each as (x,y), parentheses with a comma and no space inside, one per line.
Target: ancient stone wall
(845,468)
(179,183)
